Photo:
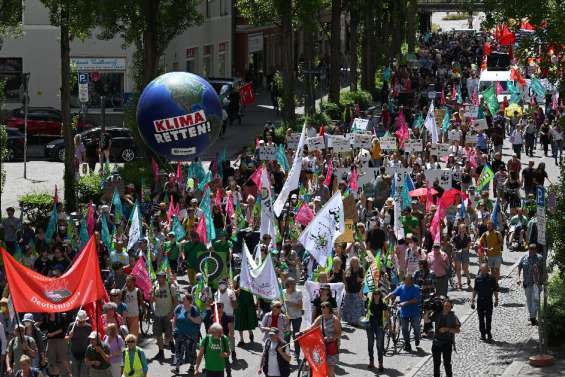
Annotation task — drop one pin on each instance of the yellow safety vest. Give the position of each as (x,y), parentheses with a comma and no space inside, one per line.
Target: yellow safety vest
(137,367)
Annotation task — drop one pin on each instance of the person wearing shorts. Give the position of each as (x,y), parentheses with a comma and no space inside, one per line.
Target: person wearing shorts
(55,326)
(164,299)
(461,243)
(492,242)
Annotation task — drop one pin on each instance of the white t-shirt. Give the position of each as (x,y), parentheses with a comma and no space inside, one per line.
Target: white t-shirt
(225,298)
(131,301)
(294,298)
(555,134)
(273,368)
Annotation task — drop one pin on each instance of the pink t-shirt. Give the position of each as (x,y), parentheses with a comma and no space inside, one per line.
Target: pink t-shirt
(438,263)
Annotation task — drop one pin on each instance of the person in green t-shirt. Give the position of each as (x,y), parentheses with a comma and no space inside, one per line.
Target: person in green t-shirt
(410,223)
(171,249)
(215,349)
(191,247)
(222,245)
(97,356)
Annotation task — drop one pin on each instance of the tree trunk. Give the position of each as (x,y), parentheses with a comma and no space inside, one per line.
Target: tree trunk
(309,95)
(353,42)
(396,25)
(367,51)
(285,11)
(411,24)
(150,45)
(335,51)
(69,175)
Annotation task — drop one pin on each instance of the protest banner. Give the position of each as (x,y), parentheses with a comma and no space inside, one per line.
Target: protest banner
(292,140)
(412,146)
(362,140)
(268,153)
(360,124)
(392,170)
(480,124)
(440,150)
(366,175)
(388,143)
(443,176)
(471,139)
(471,111)
(312,290)
(315,143)
(454,135)
(339,143)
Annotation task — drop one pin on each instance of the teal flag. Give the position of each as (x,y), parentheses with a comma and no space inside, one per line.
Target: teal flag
(406,202)
(178,229)
(83,233)
(118,210)
(281,158)
(206,208)
(198,170)
(538,89)
(445,122)
(419,121)
(387,73)
(105,233)
(52,226)
(459,95)
(390,105)
(489,96)
(207,178)
(514,92)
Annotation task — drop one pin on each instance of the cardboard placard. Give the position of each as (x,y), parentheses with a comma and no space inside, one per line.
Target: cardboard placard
(362,140)
(349,233)
(480,124)
(443,176)
(388,143)
(454,135)
(292,140)
(268,153)
(349,210)
(360,124)
(439,114)
(391,170)
(365,176)
(471,139)
(315,143)
(339,143)
(412,146)
(440,150)
(471,111)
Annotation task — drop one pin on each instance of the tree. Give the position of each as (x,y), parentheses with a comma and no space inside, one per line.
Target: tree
(335,52)
(280,13)
(10,14)
(411,16)
(149,25)
(75,18)
(548,22)
(354,8)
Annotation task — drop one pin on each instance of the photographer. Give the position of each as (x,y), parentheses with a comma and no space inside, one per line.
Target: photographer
(485,287)
(446,326)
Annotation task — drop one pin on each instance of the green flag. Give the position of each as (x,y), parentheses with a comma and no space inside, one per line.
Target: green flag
(489,96)
(105,234)
(282,160)
(201,305)
(178,229)
(514,92)
(486,176)
(419,121)
(445,122)
(52,226)
(71,233)
(83,233)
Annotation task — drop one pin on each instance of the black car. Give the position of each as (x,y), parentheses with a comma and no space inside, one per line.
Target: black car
(15,144)
(123,145)
(224,85)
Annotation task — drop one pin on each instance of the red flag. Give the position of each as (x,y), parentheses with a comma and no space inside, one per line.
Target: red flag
(314,349)
(525,25)
(94,312)
(429,198)
(256,177)
(322,130)
(201,229)
(516,75)
(155,169)
(487,49)
(56,196)
(142,279)
(353,184)
(90,219)
(402,133)
(504,35)
(442,100)
(36,293)
(304,215)
(329,173)
(246,94)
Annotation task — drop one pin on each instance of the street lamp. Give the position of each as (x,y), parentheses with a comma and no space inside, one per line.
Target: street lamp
(26,103)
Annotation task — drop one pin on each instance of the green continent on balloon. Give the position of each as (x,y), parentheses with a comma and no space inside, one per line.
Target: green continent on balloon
(185,95)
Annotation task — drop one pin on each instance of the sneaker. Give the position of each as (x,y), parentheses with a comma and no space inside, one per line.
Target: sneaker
(489,338)
(483,337)
(175,370)
(160,355)
(408,348)
(371,365)
(417,342)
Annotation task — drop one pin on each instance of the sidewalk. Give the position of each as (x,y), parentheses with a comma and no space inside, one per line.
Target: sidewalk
(521,367)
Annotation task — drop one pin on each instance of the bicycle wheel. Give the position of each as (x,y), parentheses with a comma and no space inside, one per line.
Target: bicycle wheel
(388,338)
(146,322)
(304,369)
(396,333)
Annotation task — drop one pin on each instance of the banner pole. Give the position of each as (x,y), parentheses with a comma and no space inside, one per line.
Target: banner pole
(299,337)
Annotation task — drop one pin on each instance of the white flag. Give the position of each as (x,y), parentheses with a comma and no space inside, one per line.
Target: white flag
(319,236)
(293,178)
(267,218)
(398,228)
(260,280)
(135,229)
(430,123)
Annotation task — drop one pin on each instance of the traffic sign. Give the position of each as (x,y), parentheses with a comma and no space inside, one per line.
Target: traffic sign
(83,87)
(540,196)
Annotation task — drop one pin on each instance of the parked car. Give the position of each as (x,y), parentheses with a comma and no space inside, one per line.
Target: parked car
(42,121)
(123,145)
(224,85)
(15,144)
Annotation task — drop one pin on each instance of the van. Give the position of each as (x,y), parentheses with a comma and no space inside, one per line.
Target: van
(488,78)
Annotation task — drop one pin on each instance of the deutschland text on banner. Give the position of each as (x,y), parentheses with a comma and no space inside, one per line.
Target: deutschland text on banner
(36,293)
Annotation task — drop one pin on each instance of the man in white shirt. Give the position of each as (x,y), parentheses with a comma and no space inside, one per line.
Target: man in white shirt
(227,297)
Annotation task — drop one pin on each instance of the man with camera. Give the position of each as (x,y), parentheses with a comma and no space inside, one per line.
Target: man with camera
(486,286)
(446,326)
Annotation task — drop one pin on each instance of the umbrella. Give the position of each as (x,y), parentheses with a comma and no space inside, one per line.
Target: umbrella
(511,108)
(421,192)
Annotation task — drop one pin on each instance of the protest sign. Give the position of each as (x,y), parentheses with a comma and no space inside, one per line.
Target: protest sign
(312,290)
(360,124)
(391,170)
(443,176)
(315,143)
(454,135)
(388,143)
(349,232)
(480,124)
(412,146)
(292,140)
(339,143)
(471,111)
(362,140)
(471,139)
(268,153)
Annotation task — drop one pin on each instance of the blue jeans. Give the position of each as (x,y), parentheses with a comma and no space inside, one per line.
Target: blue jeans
(185,349)
(375,333)
(295,327)
(557,149)
(405,322)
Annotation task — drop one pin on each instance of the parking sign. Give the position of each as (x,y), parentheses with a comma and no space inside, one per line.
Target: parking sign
(540,196)
(83,87)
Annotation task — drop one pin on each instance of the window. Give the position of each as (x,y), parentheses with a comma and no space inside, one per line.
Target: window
(224,7)
(107,84)
(222,63)
(11,72)
(208,61)
(192,59)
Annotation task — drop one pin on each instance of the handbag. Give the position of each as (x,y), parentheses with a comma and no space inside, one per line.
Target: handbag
(331,346)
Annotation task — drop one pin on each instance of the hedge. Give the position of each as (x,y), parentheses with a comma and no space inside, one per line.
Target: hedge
(36,207)
(89,188)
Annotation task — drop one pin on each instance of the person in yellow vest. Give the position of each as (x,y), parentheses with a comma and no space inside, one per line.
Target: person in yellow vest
(135,362)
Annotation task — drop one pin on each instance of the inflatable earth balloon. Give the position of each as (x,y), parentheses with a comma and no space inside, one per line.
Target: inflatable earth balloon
(179,115)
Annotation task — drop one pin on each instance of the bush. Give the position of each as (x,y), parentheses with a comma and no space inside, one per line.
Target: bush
(331,109)
(36,207)
(89,188)
(136,171)
(556,311)
(319,118)
(361,97)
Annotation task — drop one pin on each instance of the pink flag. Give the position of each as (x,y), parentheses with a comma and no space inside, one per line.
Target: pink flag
(472,157)
(353,184)
(429,198)
(56,196)
(453,93)
(475,98)
(435,227)
(329,173)
(499,88)
(229,207)
(201,229)
(171,210)
(218,200)
(179,173)
(142,279)
(554,102)
(256,177)
(155,170)
(442,98)
(90,219)
(304,215)
(402,133)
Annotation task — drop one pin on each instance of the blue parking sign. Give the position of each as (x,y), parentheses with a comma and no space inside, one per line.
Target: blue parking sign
(83,78)
(540,196)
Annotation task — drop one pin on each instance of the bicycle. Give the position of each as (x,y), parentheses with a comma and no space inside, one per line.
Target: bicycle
(392,330)
(304,369)
(146,319)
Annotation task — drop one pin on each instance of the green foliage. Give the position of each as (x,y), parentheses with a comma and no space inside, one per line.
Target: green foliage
(36,207)
(89,188)
(81,15)
(3,141)
(318,119)
(556,311)
(455,17)
(135,171)
(361,97)
(555,226)
(258,12)
(10,15)
(331,109)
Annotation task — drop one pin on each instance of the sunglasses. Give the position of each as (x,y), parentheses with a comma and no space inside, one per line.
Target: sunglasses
(130,342)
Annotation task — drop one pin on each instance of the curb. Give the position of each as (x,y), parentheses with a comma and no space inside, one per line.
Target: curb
(423,362)
(514,368)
